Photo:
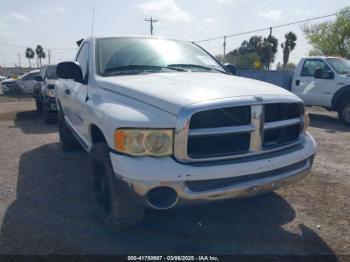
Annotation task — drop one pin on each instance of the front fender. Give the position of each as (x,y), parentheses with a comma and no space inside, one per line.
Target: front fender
(114,111)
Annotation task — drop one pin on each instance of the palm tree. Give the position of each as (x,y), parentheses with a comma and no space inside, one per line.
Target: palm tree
(30,55)
(40,53)
(288,46)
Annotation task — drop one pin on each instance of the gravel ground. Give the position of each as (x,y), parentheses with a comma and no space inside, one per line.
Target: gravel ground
(47,204)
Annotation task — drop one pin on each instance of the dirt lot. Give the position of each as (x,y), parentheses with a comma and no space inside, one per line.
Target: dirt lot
(47,204)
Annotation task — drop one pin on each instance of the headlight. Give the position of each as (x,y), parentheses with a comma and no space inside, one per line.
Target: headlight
(50,93)
(306,120)
(143,142)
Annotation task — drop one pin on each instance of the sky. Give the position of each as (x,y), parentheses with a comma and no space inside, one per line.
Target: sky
(58,24)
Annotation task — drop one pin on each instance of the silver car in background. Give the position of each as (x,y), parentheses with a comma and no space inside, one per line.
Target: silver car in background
(27,82)
(23,85)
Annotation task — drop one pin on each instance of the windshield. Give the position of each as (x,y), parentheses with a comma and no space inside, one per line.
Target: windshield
(51,72)
(341,65)
(120,56)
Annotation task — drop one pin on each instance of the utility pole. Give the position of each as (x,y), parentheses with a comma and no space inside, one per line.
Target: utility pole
(224,49)
(3,58)
(270,49)
(19,59)
(151,20)
(49,55)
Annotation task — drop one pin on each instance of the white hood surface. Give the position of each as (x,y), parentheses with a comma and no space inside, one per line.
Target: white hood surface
(172,91)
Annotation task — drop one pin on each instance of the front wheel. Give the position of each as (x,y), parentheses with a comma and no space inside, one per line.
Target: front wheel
(67,139)
(39,105)
(344,112)
(47,115)
(117,205)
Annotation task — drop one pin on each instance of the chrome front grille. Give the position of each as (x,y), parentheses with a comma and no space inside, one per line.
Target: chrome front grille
(237,128)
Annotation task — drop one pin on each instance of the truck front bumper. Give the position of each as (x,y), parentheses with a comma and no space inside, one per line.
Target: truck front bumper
(187,184)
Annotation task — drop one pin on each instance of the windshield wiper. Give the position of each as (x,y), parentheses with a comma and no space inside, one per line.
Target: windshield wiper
(112,70)
(197,66)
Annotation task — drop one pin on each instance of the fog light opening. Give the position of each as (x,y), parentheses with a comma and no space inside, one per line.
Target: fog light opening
(162,198)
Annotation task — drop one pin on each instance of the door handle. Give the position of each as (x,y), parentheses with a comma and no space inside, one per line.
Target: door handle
(67,91)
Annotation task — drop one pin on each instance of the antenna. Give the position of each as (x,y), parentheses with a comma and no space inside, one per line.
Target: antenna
(92,22)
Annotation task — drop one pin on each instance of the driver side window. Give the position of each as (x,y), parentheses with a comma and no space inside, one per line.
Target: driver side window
(311,65)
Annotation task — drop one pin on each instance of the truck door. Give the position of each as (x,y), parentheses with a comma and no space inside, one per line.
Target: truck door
(314,91)
(75,94)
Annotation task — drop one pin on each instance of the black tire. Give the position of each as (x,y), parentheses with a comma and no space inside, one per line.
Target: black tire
(68,141)
(118,206)
(49,117)
(39,105)
(344,112)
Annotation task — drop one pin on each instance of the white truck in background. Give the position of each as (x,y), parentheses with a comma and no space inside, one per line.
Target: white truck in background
(317,80)
(325,82)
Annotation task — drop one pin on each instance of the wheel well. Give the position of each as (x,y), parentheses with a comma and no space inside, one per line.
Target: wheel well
(96,135)
(340,96)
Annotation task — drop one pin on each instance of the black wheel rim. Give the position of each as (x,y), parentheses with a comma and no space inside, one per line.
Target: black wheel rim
(102,188)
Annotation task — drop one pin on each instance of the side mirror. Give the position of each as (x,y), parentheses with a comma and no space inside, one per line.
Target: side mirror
(69,70)
(330,75)
(231,68)
(38,78)
(320,74)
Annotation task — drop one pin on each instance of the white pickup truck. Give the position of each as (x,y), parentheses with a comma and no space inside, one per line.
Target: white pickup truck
(166,125)
(325,82)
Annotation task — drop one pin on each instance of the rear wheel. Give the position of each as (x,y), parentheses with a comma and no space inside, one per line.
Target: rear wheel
(67,139)
(117,205)
(344,112)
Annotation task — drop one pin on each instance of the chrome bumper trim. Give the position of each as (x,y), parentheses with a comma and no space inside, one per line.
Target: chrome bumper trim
(255,187)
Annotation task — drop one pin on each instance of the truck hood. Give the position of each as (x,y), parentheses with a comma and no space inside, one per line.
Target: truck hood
(172,91)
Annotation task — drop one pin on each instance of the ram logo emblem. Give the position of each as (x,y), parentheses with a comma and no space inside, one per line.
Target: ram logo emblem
(258,98)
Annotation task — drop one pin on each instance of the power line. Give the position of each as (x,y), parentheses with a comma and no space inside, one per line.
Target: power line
(10,45)
(22,46)
(268,28)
